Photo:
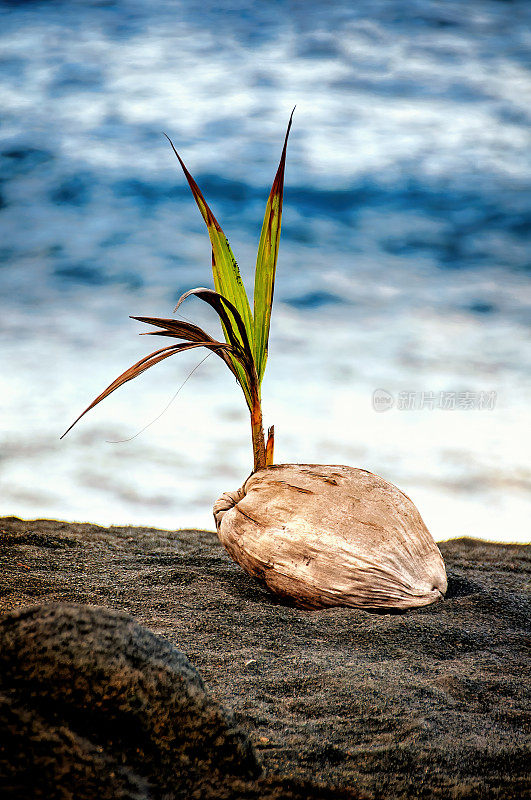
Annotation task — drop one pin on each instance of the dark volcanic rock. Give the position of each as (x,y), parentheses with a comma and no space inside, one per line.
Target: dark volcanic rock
(101,707)
(427,704)
(41,760)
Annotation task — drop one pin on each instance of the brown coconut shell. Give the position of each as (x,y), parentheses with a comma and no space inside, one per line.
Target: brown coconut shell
(331,536)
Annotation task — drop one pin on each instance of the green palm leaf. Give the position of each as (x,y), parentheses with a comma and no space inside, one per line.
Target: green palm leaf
(227,278)
(266,264)
(235,335)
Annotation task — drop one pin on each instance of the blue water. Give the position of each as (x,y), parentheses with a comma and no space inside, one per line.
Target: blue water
(404,261)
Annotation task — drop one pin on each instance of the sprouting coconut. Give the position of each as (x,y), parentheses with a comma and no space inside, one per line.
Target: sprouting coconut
(317,535)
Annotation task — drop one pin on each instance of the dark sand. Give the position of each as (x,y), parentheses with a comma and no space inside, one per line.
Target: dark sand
(430,703)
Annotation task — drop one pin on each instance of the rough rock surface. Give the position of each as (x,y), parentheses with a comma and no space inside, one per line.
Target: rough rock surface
(119,704)
(338,703)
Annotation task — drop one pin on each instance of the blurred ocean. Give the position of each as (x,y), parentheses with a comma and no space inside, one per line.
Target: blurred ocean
(403,268)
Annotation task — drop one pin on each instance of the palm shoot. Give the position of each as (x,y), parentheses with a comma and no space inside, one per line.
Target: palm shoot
(246,334)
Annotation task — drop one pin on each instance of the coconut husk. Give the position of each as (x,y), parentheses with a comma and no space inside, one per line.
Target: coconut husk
(331,536)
